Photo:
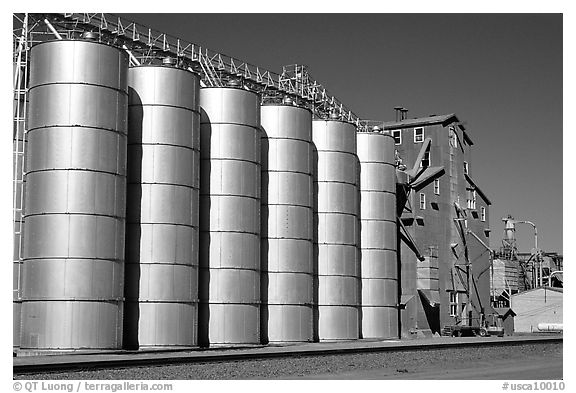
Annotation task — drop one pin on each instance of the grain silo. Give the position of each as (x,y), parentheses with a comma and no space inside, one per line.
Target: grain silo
(73,254)
(161,275)
(378,235)
(229,286)
(336,229)
(287,223)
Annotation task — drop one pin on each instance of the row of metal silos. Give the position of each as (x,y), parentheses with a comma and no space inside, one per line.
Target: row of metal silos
(159,213)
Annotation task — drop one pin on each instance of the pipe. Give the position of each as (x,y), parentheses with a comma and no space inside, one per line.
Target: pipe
(52,29)
(132,57)
(550,327)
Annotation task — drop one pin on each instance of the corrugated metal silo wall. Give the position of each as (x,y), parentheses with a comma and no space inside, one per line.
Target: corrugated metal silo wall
(161,278)
(229,283)
(378,235)
(336,229)
(73,258)
(287,224)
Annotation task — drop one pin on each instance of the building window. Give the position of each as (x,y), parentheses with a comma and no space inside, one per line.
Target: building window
(465,168)
(422,201)
(418,134)
(397,134)
(471,200)
(425,163)
(452,136)
(483,214)
(453,304)
(437,186)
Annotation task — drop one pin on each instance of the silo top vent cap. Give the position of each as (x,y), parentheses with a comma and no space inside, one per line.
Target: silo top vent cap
(169,61)
(90,35)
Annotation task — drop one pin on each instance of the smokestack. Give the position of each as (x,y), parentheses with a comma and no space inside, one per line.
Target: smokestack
(404,114)
(397,110)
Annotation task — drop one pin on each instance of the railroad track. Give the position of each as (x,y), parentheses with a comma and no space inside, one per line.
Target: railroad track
(75,362)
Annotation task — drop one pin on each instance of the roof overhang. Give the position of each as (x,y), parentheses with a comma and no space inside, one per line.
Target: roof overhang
(431,297)
(478,190)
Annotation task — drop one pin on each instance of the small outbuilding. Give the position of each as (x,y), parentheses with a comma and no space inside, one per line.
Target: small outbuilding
(505,319)
(537,306)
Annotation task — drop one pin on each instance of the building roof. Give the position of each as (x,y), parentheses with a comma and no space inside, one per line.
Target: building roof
(504,311)
(429,120)
(553,289)
(426,176)
(478,190)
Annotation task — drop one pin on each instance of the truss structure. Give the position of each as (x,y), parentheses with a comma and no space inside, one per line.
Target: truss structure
(149,46)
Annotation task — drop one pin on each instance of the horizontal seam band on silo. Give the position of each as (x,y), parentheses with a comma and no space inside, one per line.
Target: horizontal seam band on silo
(286,204)
(347,305)
(376,248)
(71,299)
(129,144)
(212,123)
(188,109)
(286,171)
(362,191)
(211,302)
(289,272)
(395,280)
(325,212)
(120,133)
(293,304)
(378,162)
(339,275)
(60,213)
(114,174)
(212,195)
(68,257)
(286,238)
(257,163)
(156,301)
(220,268)
(168,264)
(124,92)
(316,181)
(338,152)
(377,220)
(287,138)
(130,222)
(180,185)
(393,306)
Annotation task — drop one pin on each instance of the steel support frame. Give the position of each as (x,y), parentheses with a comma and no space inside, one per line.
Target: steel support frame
(148,46)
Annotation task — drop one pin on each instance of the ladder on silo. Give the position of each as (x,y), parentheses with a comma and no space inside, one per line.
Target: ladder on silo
(19,147)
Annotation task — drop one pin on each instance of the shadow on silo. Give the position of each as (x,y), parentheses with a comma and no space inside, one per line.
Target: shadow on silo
(264,214)
(204,226)
(359,248)
(133,231)
(315,282)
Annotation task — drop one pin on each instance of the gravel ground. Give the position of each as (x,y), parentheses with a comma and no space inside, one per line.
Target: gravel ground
(294,367)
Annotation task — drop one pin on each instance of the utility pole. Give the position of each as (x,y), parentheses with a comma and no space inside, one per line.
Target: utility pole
(538,260)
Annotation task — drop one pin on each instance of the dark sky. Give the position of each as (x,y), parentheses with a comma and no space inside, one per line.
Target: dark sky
(500,73)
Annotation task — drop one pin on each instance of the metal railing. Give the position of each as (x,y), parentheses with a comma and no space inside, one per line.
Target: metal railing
(215,69)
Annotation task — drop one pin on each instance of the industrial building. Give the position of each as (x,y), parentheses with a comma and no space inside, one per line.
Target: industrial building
(446,216)
(169,196)
(538,309)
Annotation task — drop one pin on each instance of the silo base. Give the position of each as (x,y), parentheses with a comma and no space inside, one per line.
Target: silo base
(379,322)
(338,323)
